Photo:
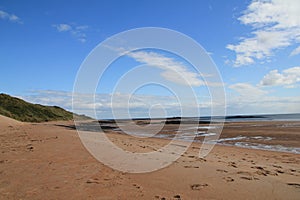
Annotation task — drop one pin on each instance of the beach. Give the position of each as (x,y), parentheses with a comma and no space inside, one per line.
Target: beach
(150,100)
(48,161)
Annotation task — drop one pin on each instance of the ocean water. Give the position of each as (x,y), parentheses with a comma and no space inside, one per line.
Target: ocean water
(245,118)
(269,117)
(191,132)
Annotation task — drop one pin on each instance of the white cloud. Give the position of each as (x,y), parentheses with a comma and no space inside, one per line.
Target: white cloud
(11,17)
(247,90)
(76,31)
(287,78)
(137,106)
(275,24)
(173,70)
(295,51)
(249,99)
(263,104)
(63,27)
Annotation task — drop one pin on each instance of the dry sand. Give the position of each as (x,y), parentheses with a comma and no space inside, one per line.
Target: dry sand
(6,121)
(47,161)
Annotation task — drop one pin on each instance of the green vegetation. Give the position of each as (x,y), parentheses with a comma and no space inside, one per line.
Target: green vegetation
(27,112)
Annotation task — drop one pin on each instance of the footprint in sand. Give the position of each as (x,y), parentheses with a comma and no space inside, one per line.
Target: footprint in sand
(136,186)
(263,171)
(162,198)
(198,186)
(189,166)
(201,159)
(3,161)
(247,176)
(244,173)
(29,147)
(279,171)
(232,164)
(277,166)
(95,180)
(296,185)
(228,179)
(222,170)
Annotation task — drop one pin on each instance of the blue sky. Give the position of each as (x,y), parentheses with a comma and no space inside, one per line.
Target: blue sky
(254,44)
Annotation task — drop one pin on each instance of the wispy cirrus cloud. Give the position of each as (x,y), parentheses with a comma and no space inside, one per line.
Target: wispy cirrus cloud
(173,70)
(77,32)
(10,17)
(275,24)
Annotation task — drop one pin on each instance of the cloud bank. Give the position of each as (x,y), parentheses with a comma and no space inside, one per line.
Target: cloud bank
(242,98)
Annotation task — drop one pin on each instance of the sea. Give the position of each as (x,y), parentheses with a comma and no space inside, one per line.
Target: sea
(192,133)
(253,142)
(245,118)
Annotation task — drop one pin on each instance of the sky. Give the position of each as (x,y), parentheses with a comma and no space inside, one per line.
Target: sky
(255,46)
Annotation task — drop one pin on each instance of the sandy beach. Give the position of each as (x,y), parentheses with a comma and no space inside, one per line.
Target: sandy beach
(150,100)
(48,161)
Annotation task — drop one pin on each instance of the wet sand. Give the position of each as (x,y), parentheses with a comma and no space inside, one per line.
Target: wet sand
(48,161)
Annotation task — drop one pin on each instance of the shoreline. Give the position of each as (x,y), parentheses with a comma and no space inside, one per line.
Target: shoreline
(279,136)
